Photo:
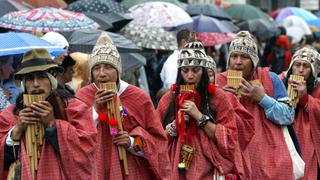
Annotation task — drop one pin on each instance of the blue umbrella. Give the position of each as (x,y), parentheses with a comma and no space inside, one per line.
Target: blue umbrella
(204,23)
(304,14)
(18,43)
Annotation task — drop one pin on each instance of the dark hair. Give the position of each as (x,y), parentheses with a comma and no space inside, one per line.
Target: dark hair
(204,97)
(184,34)
(68,61)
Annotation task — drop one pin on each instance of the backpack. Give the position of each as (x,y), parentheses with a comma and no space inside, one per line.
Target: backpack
(278,60)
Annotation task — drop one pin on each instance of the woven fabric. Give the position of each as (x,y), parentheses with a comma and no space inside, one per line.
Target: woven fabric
(309,55)
(307,127)
(268,152)
(141,121)
(245,43)
(76,138)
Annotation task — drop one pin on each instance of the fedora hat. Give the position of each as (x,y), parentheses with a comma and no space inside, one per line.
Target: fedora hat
(36,60)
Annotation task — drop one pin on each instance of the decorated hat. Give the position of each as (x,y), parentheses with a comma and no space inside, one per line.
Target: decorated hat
(105,52)
(36,60)
(211,64)
(309,55)
(192,54)
(244,43)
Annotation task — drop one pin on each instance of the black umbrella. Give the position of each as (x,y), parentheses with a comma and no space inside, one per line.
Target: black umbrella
(110,21)
(84,40)
(260,27)
(100,6)
(208,10)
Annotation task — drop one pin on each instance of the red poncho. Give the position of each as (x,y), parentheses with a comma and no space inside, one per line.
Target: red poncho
(76,139)
(142,121)
(268,151)
(307,128)
(209,155)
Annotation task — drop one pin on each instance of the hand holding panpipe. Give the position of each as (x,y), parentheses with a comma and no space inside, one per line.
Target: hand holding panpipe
(234,78)
(186,89)
(293,95)
(115,121)
(34,135)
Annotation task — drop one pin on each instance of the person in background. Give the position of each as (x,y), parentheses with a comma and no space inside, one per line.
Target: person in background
(6,71)
(306,62)
(169,72)
(66,75)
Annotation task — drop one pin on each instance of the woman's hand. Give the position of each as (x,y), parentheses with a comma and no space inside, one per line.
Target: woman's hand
(191,109)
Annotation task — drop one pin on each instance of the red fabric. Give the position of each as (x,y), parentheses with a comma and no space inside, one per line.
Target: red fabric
(141,121)
(219,154)
(268,152)
(307,127)
(181,127)
(76,138)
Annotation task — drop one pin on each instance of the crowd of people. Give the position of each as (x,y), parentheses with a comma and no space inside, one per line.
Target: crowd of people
(202,127)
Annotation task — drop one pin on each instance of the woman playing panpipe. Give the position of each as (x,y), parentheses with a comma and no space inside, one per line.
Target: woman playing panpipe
(199,121)
(51,130)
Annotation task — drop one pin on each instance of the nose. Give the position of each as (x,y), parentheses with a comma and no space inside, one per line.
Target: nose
(238,60)
(301,69)
(35,82)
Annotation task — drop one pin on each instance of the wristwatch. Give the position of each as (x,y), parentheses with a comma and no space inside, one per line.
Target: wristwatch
(203,121)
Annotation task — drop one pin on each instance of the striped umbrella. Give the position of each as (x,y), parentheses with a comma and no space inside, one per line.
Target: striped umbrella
(46,19)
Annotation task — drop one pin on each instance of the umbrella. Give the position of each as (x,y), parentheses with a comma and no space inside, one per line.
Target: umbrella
(46,19)
(7,6)
(295,21)
(109,21)
(150,37)
(100,6)
(18,43)
(131,3)
(245,12)
(45,3)
(84,40)
(159,14)
(259,27)
(208,10)
(209,24)
(213,39)
(305,15)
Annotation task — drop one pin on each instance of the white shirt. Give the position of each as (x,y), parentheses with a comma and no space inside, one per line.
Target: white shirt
(169,70)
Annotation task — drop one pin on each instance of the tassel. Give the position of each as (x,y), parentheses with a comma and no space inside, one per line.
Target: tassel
(102,117)
(113,122)
(211,88)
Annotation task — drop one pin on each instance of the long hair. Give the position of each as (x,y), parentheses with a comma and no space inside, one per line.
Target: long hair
(202,88)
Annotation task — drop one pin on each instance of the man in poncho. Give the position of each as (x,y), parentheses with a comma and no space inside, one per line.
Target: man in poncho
(306,63)
(142,136)
(272,153)
(68,148)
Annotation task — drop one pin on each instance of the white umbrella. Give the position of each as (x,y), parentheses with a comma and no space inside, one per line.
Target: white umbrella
(159,14)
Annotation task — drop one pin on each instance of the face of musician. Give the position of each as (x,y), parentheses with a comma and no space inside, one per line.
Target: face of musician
(301,68)
(211,75)
(103,73)
(241,62)
(38,83)
(191,74)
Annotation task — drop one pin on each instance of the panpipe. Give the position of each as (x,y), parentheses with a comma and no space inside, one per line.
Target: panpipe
(113,112)
(187,89)
(234,78)
(293,95)
(34,136)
